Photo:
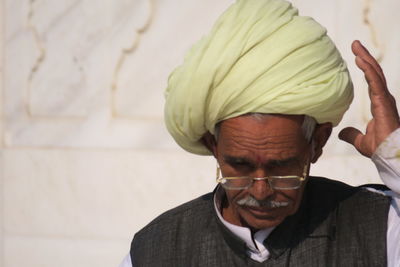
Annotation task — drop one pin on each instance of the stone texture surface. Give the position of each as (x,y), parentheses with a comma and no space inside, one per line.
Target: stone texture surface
(2,213)
(85,159)
(1,131)
(98,68)
(62,252)
(97,194)
(76,202)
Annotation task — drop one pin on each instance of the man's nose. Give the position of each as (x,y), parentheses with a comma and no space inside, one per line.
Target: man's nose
(260,188)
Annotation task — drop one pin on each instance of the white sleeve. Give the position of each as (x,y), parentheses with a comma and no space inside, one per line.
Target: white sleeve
(387,161)
(126,262)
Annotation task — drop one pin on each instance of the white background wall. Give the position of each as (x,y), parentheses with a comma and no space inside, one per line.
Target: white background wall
(86,160)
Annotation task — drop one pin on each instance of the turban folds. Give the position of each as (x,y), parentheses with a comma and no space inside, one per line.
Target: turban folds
(260,56)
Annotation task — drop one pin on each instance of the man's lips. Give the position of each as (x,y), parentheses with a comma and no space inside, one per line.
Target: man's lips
(258,205)
(266,208)
(259,212)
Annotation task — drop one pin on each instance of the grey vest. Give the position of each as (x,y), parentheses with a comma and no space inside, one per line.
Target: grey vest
(336,225)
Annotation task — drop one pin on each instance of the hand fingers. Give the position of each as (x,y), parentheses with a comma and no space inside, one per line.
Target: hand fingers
(370,127)
(383,103)
(352,136)
(376,85)
(360,51)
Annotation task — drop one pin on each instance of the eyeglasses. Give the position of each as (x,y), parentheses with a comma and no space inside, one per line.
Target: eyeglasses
(288,182)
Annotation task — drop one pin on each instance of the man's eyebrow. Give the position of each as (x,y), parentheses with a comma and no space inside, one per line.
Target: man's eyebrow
(282,162)
(237,160)
(271,162)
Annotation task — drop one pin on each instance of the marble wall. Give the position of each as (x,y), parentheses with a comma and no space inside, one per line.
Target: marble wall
(86,160)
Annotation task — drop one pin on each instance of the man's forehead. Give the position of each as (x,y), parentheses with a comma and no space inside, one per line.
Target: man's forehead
(257,120)
(262,132)
(262,138)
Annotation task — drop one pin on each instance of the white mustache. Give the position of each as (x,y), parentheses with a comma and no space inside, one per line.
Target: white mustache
(250,201)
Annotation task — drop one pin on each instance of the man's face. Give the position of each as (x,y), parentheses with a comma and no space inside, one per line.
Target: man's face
(260,147)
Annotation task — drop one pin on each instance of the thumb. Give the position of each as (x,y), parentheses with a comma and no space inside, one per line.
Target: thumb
(352,136)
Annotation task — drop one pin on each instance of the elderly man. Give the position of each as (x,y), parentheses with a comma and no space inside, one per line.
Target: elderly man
(261,93)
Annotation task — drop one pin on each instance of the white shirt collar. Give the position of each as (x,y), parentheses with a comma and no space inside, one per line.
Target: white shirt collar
(256,249)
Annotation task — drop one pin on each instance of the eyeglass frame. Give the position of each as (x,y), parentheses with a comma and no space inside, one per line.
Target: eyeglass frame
(268,178)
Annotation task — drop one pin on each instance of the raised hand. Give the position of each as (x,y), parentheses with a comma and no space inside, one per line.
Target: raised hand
(383,106)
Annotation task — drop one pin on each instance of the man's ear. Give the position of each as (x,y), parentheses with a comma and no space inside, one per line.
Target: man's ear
(209,141)
(320,137)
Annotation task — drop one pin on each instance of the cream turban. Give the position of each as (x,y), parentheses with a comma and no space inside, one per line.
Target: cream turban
(260,56)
